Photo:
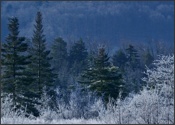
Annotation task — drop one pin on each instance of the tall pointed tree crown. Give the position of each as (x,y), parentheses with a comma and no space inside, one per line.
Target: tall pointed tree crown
(14,64)
(43,76)
(104,79)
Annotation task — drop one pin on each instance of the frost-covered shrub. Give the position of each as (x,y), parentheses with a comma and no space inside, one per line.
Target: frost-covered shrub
(162,73)
(9,113)
(161,80)
(6,106)
(143,107)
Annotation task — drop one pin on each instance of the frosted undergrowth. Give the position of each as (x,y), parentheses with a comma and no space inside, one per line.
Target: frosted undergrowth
(153,105)
(144,108)
(19,120)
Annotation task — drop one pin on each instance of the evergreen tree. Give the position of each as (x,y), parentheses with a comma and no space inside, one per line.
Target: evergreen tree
(59,53)
(40,68)
(132,57)
(14,64)
(60,64)
(133,71)
(119,59)
(104,79)
(77,57)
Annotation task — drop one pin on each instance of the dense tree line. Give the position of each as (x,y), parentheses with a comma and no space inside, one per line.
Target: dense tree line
(30,70)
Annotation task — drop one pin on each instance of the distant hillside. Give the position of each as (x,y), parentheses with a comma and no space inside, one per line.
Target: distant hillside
(101,21)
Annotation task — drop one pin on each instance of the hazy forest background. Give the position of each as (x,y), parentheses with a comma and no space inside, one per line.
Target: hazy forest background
(82,79)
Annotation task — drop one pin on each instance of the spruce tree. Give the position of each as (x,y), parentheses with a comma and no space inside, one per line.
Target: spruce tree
(40,68)
(119,59)
(60,64)
(132,57)
(14,63)
(59,53)
(104,79)
(133,70)
(78,57)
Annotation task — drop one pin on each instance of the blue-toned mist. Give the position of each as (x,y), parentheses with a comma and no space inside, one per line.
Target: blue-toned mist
(100,21)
